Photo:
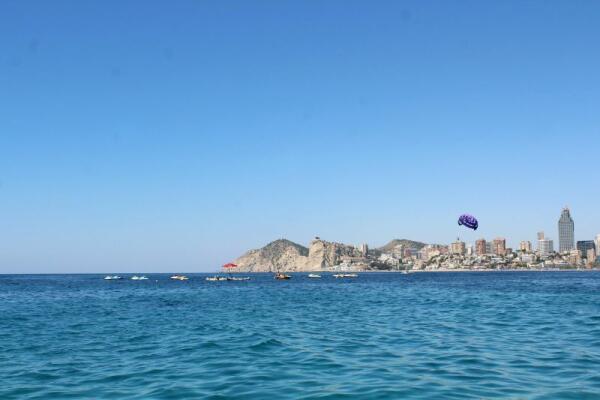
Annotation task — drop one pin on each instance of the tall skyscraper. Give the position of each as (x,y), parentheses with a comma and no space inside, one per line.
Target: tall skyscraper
(499,246)
(597,244)
(480,247)
(566,232)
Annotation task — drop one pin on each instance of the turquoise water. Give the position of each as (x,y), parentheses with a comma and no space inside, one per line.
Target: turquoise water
(381,336)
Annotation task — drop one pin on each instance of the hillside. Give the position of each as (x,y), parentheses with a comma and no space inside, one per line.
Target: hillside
(401,242)
(281,254)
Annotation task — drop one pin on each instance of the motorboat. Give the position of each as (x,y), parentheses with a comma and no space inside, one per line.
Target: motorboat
(216,278)
(345,275)
(282,276)
(227,278)
(314,276)
(112,278)
(139,278)
(180,277)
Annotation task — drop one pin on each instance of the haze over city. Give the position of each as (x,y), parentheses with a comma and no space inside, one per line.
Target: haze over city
(155,139)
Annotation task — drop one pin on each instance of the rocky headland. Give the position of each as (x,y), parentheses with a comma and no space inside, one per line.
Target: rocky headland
(320,255)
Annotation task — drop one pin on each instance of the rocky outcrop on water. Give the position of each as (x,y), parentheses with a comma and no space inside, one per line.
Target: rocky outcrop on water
(285,255)
(279,255)
(324,255)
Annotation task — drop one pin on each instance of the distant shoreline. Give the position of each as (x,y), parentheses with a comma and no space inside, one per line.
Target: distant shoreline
(309,272)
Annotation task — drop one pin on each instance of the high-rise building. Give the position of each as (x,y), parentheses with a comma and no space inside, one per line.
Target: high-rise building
(499,246)
(541,236)
(480,247)
(525,246)
(470,249)
(566,231)
(545,247)
(597,244)
(458,247)
(584,245)
(364,249)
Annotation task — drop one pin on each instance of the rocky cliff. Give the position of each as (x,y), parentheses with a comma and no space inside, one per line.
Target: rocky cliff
(284,255)
(323,255)
(281,255)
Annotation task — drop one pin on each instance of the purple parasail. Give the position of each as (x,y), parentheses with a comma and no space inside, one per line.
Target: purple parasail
(469,221)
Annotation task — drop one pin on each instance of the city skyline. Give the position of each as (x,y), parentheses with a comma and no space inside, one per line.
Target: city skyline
(186,134)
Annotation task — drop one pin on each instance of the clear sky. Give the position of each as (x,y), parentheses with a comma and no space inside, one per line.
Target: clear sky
(175,135)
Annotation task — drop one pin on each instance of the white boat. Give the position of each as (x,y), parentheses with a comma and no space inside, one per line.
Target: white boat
(112,278)
(216,278)
(139,278)
(314,276)
(228,278)
(345,275)
(180,277)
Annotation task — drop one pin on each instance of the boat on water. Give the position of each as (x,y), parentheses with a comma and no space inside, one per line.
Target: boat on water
(227,268)
(215,278)
(180,277)
(139,278)
(282,276)
(345,275)
(227,278)
(112,278)
(314,276)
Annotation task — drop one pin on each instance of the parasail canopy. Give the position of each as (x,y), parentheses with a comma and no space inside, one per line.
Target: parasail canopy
(230,265)
(469,221)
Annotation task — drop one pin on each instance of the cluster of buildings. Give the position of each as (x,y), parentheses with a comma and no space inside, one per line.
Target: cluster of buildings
(494,254)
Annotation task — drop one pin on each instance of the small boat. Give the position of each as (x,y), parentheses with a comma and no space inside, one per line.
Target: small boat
(315,276)
(345,276)
(139,278)
(112,278)
(282,276)
(180,277)
(216,278)
(227,278)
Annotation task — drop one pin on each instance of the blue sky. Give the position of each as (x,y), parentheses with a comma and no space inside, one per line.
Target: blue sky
(173,136)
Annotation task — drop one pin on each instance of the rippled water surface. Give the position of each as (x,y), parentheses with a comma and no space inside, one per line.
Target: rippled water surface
(379,336)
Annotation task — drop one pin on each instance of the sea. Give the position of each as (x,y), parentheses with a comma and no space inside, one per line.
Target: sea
(467,335)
